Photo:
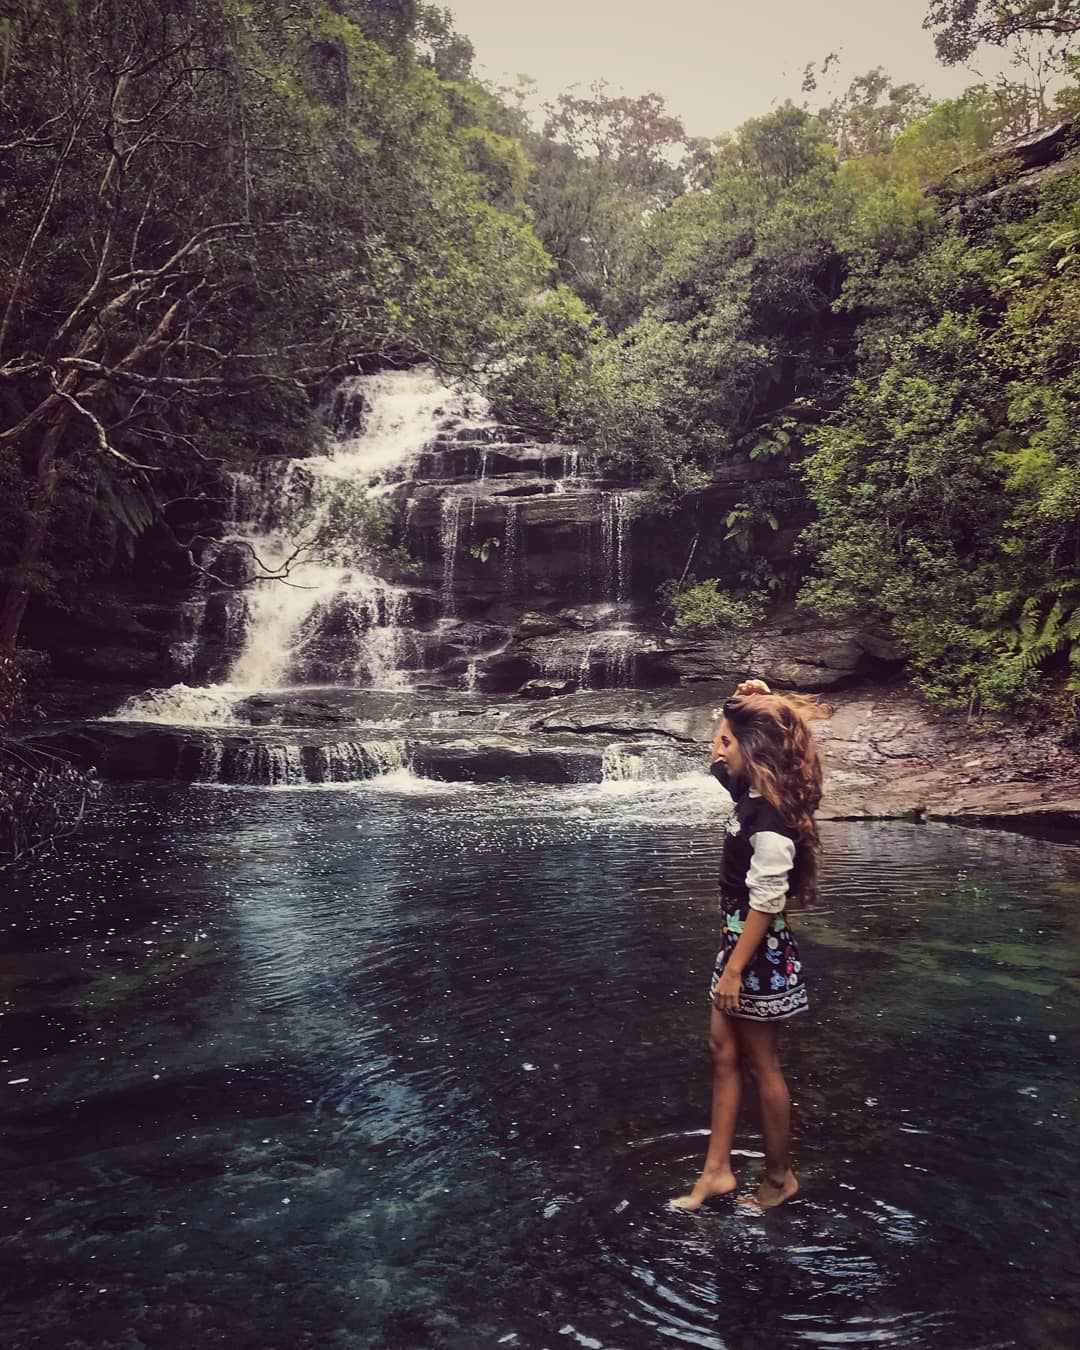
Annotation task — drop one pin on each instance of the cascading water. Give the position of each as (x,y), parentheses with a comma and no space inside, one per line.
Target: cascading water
(317,612)
(293,607)
(511,547)
(322,582)
(615,546)
(276,763)
(449,538)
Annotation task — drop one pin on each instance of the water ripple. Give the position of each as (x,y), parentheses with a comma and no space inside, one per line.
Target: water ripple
(426,1064)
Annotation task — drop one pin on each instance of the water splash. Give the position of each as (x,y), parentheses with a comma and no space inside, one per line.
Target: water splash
(622,763)
(181,705)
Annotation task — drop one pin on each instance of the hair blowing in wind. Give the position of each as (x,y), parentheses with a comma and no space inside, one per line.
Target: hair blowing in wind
(773,731)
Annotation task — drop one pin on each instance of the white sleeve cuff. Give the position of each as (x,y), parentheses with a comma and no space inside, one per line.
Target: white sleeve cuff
(770,870)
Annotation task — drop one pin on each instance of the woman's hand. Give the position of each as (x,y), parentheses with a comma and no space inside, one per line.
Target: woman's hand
(746,687)
(726,997)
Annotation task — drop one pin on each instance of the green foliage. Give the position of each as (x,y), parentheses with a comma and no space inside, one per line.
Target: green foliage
(342,521)
(212,211)
(813,310)
(948,484)
(868,116)
(1041,38)
(603,164)
(551,378)
(741,520)
(704,608)
(961,26)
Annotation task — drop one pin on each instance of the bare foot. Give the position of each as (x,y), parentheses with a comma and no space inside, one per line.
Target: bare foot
(771,1193)
(708,1185)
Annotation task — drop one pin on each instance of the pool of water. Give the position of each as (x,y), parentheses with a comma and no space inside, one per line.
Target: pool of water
(409,1064)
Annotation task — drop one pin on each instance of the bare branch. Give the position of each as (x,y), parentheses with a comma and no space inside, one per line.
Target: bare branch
(13,371)
(35,137)
(32,417)
(43,215)
(197,240)
(102,437)
(266,572)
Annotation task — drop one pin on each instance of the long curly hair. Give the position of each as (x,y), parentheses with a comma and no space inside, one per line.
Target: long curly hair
(783,764)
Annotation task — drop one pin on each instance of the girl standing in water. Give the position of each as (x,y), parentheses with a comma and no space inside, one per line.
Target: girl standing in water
(765,755)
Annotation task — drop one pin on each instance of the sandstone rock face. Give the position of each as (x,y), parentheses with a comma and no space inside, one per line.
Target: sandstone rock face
(519,561)
(518,639)
(886,753)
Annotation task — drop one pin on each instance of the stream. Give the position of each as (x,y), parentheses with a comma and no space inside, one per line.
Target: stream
(409,1063)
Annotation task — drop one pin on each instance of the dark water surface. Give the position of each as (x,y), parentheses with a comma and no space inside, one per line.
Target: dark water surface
(418,1065)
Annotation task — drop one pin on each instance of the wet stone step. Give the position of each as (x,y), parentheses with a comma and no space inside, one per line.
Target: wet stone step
(280,756)
(482,461)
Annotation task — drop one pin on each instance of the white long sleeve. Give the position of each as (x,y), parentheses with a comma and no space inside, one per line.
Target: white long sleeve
(770,870)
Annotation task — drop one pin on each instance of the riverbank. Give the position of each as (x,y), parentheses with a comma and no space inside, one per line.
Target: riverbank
(888,753)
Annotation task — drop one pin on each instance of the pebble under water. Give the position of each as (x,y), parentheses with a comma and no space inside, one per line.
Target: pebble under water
(416,1064)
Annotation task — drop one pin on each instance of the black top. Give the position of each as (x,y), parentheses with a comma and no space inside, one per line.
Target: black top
(759,848)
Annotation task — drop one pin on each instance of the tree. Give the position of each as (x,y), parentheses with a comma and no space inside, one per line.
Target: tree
(1040,37)
(603,165)
(947,484)
(868,116)
(212,212)
(961,27)
(731,321)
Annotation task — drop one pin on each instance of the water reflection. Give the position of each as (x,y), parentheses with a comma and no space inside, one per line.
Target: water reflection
(405,1067)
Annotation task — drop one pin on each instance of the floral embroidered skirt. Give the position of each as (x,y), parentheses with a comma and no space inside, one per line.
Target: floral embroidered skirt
(772,983)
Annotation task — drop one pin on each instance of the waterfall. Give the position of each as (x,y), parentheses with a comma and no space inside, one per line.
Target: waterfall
(615,546)
(450,530)
(290,764)
(210,762)
(318,573)
(402,410)
(183,650)
(321,613)
(294,598)
(348,761)
(617,650)
(511,546)
(622,763)
(385,645)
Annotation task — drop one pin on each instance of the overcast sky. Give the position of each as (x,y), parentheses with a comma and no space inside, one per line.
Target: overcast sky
(715,63)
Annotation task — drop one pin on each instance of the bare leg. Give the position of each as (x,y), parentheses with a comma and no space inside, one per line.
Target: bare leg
(757,1045)
(717,1177)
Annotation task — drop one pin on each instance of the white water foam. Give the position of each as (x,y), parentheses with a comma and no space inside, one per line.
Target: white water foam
(405,783)
(183,705)
(321,616)
(402,412)
(284,640)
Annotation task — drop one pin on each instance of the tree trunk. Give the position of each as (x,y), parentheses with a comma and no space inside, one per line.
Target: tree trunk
(15,599)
